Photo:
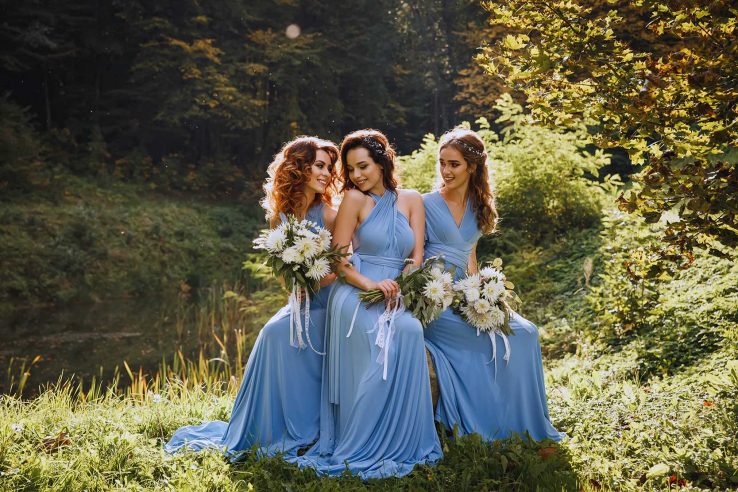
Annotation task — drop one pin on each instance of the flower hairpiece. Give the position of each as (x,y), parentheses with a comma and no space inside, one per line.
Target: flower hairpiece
(374,145)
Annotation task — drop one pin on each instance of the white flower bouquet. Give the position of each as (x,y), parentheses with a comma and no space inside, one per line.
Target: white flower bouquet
(425,291)
(300,252)
(486,300)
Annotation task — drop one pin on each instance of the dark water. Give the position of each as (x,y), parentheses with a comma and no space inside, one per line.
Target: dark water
(88,340)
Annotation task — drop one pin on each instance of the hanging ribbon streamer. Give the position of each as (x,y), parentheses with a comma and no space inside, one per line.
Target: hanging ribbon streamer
(385,327)
(353,320)
(297,324)
(294,302)
(505,340)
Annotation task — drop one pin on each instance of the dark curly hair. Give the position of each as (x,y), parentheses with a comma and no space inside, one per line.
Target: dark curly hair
(378,146)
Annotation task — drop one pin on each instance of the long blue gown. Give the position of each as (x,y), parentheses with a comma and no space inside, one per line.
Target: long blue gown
(278,405)
(494,402)
(372,426)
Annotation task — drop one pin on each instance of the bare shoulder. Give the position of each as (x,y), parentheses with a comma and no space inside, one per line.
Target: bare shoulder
(353,198)
(410,196)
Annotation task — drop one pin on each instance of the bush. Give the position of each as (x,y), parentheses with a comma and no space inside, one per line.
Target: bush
(545,180)
(21,167)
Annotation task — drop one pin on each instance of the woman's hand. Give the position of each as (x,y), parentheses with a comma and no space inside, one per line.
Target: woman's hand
(328,280)
(389,287)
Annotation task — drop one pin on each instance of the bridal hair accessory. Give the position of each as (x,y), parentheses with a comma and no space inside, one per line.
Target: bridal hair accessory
(377,147)
(467,147)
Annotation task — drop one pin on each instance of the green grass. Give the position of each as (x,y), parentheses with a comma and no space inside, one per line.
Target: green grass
(85,242)
(643,379)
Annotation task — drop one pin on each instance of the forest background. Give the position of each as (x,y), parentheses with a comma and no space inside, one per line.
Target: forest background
(134,138)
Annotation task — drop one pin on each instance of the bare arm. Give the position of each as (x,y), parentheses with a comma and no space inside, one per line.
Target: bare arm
(347,220)
(473,268)
(417,224)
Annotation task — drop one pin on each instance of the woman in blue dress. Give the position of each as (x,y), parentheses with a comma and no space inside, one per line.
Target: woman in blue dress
(377,413)
(492,398)
(278,405)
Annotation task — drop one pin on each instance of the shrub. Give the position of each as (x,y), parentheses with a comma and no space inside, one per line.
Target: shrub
(21,167)
(545,178)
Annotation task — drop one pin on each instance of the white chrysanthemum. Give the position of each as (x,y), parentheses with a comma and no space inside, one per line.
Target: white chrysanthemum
(304,229)
(319,269)
(481,306)
(446,278)
(324,236)
(474,280)
(275,241)
(498,317)
(307,247)
(488,273)
(471,294)
(291,255)
(434,291)
(493,290)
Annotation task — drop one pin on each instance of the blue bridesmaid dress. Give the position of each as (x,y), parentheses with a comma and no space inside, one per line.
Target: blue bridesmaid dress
(377,413)
(278,405)
(493,399)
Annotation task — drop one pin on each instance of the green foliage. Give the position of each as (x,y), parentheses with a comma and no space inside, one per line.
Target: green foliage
(419,169)
(653,76)
(544,178)
(96,244)
(672,318)
(21,165)
(645,409)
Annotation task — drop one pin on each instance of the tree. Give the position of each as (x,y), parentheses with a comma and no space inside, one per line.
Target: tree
(657,77)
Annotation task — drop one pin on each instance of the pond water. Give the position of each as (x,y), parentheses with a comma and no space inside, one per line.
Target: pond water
(93,339)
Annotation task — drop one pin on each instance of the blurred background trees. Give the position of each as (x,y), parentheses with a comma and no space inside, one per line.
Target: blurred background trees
(198,95)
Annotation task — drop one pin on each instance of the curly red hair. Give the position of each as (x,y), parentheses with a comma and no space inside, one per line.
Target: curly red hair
(290,171)
(471,147)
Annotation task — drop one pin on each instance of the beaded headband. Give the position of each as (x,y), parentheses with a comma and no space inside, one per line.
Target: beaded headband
(374,145)
(466,147)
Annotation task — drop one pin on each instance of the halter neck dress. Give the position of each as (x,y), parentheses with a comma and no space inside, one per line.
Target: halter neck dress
(372,426)
(494,403)
(278,405)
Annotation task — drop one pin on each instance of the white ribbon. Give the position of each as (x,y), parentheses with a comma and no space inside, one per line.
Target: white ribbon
(295,317)
(385,327)
(296,326)
(353,320)
(505,340)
